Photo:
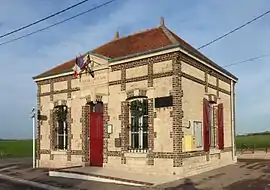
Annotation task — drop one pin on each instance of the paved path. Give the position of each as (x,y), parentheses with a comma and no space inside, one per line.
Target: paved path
(10,185)
(23,170)
(245,175)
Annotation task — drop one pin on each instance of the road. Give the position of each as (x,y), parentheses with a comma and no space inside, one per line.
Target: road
(246,174)
(22,169)
(10,185)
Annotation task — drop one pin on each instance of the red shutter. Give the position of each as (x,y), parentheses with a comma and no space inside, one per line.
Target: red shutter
(206,131)
(220,127)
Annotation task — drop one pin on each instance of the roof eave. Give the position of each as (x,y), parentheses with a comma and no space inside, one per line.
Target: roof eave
(174,46)
(43,76)
(68,70)
(211,63)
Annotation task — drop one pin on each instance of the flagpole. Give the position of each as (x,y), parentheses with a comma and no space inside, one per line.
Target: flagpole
(34,135)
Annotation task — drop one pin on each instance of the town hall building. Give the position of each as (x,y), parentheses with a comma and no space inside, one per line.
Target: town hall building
(144,102)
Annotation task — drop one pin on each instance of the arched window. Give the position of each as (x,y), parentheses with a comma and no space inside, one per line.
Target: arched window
(139,125)
(60,112)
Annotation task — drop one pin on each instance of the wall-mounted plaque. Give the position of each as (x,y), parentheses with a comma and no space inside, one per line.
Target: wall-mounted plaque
(162,102)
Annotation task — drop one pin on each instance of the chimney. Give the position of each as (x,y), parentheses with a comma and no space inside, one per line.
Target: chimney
(162,23)
(116,35)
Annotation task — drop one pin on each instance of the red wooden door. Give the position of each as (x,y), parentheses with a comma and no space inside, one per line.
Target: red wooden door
(96,137)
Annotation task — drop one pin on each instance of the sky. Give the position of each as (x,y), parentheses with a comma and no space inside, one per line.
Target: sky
(196,21)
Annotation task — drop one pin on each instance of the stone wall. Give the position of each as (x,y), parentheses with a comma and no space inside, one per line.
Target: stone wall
(151,77)
(74,93)
(188,82)
(170,74)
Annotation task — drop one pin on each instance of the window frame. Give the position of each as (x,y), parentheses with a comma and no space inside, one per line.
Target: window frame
(195,123)
(213,127)
(142,145)
(63,135)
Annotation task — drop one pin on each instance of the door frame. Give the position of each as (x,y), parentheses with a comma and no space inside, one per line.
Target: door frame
(96,110)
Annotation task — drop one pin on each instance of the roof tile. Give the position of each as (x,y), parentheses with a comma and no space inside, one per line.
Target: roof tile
(140,42)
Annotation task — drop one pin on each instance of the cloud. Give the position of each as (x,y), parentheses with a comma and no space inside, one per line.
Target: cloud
(197,22)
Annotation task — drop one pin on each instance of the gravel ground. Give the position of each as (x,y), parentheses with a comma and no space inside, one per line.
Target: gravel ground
(245,175)
(25,171)
(10,185)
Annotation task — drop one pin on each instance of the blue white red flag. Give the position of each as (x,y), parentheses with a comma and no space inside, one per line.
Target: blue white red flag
(80,62)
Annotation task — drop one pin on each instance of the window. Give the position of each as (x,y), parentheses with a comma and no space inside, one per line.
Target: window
(197,132)
(213,126)
(61,127)
(139,125)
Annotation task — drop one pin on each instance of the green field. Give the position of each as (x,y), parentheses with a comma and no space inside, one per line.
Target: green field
(259,141)
(23,148)
(15,148)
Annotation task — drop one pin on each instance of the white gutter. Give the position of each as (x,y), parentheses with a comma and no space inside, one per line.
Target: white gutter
(54,76)
(232,120)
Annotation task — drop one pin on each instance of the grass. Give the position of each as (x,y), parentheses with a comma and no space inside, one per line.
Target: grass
(23,148)
(259,141)
(15,148)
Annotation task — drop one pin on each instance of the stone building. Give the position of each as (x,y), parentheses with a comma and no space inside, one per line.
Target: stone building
(152,103)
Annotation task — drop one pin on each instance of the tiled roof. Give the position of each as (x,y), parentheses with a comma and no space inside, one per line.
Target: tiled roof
(137,43)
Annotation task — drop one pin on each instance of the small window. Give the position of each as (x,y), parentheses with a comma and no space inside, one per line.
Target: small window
(61,127)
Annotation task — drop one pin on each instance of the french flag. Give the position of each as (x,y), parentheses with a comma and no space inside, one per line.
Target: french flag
(80,62)
(79,65)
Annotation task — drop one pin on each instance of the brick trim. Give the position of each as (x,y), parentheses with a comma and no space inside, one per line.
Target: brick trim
(189,60)
(69,87)
(177,110)
(70,135)
(150,69)
(51,135)
(52,92)
(142,62)
(194,79)
(106,119)
(124,136)
(85,134)
(114,153)
(151,132)
(141,78)
(172,155)
(123,78)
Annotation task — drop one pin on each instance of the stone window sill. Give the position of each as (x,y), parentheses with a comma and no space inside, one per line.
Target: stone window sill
(136,154)
(59,152)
